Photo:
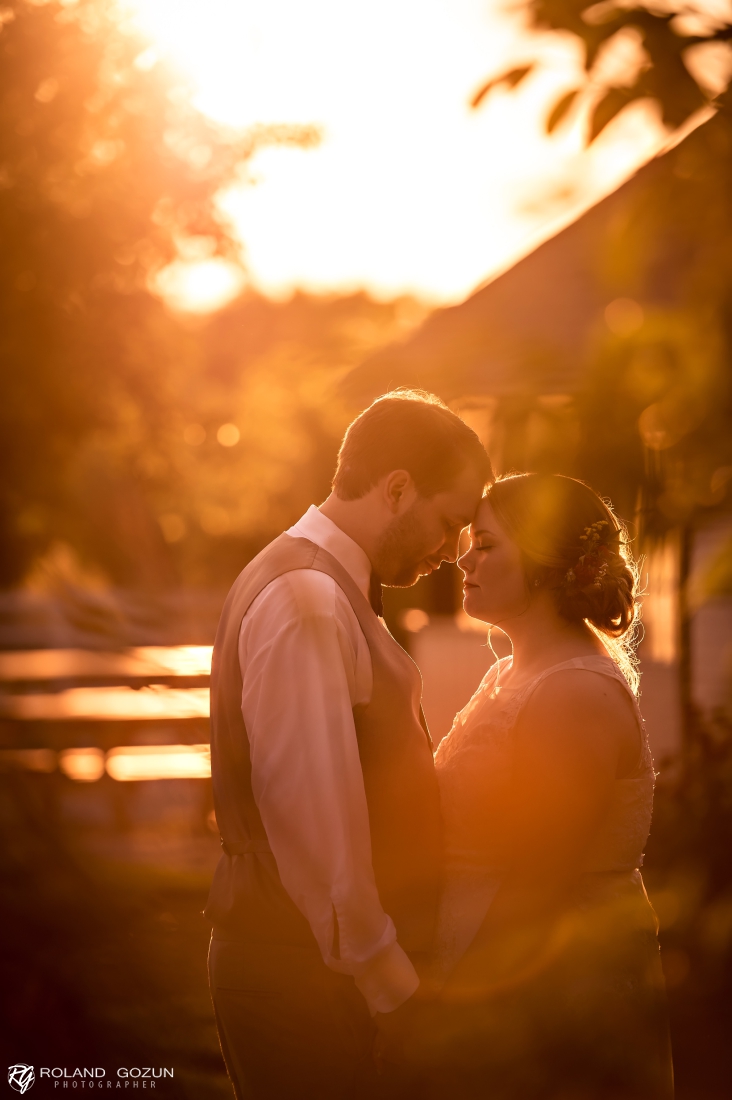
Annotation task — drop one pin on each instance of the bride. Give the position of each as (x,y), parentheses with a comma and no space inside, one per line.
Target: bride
(548,966)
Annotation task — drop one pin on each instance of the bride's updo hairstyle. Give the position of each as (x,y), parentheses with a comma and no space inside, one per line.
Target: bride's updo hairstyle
(573,543)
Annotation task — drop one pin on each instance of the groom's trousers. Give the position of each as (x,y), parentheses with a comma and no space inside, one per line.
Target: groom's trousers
(290,1028)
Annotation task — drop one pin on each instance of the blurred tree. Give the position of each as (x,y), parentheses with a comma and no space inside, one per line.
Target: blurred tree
(657,409)
(657,406)
(106,170)
(253,433)
(681,58)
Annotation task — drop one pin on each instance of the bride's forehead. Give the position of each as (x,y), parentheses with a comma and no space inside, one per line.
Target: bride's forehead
(485,521)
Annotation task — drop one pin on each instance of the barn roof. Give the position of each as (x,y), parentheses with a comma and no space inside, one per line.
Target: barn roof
(529,329)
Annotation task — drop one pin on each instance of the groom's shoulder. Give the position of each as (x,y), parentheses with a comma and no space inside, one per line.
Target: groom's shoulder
(282,553)
(297,594)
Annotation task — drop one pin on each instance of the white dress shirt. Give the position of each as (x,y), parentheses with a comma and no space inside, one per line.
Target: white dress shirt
(305,664)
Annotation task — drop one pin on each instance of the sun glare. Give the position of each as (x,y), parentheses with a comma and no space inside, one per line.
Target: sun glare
(199,287)
(409,191)
(138,762)
(95,704)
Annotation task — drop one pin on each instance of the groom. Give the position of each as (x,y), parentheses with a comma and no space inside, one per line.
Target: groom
(325,898)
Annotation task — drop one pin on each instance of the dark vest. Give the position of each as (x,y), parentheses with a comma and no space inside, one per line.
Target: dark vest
(247,899)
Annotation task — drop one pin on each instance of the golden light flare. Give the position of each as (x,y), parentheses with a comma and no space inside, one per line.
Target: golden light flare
(145,762)
(110,704)
(82,765)
(199,286)
(126,763)
(141,661)
(409,190)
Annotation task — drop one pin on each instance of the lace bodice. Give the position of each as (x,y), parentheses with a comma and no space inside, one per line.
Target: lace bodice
(474,764)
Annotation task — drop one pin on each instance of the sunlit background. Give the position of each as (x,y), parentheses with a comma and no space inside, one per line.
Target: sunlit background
(409,191)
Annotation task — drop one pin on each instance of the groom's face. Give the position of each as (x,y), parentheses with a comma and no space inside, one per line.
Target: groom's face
(428,533)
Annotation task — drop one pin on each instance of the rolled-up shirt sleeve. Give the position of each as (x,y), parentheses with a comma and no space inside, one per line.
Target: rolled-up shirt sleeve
(303,670)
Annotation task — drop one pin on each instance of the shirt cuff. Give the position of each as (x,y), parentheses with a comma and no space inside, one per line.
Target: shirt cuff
(388,980)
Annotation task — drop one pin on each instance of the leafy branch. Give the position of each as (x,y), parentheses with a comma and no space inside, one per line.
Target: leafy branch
(663,75)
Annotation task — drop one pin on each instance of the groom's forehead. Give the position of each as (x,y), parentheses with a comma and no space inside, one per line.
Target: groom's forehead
(459,506)
(465,495)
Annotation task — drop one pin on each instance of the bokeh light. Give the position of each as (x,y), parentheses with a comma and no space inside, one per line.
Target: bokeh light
(228,435)
(82,765)
(199,287)
(623,316)
(145,762)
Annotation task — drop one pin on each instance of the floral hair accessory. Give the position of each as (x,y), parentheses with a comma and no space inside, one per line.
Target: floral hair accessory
(593,562)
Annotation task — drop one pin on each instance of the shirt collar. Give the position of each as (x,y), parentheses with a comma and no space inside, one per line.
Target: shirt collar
(324,533)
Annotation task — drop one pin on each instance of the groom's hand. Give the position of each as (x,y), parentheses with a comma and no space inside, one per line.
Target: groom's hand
(395,1031)
(391,1030)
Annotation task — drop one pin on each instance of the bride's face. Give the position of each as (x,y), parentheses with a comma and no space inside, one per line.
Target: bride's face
(495,582)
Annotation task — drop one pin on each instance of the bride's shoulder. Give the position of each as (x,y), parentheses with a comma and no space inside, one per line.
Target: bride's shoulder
(574,701)
(585,683)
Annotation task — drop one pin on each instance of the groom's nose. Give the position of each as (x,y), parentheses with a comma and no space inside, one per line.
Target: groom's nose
(451,547)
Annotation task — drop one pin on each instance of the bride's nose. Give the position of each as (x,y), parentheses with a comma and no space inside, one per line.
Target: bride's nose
(465,562)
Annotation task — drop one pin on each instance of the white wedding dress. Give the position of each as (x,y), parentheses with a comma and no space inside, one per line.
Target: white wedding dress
(591,1014)
(474,764)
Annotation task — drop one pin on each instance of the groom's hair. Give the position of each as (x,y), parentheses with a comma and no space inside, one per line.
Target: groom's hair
(408,430)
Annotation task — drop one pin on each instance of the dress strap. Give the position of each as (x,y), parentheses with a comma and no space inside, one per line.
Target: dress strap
(605,666)
(493,675)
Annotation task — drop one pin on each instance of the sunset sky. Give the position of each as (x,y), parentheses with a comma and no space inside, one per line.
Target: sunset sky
(409,191)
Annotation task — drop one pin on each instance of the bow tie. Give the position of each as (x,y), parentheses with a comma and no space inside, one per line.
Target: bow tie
(375,599)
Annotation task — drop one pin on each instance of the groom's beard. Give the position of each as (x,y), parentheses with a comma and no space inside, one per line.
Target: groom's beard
(401,553)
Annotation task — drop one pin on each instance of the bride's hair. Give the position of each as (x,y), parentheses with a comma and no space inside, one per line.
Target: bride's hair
(573,543)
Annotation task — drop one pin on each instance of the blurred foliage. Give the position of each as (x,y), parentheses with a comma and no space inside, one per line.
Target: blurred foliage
(716,580)
(649,423)
(657,407)
(107,173)
(671,46)
(244,436)
(266,374)
(689,877)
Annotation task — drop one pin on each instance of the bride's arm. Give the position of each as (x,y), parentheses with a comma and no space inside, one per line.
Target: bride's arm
(569,739)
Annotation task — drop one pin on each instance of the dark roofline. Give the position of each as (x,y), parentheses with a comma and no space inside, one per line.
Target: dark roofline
(527,329)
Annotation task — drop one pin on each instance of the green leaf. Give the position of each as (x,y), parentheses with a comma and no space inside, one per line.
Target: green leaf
(510,79)
(609,106)
(668,79)
(560,110)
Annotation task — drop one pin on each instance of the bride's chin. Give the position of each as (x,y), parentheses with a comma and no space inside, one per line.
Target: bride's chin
(470,606)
